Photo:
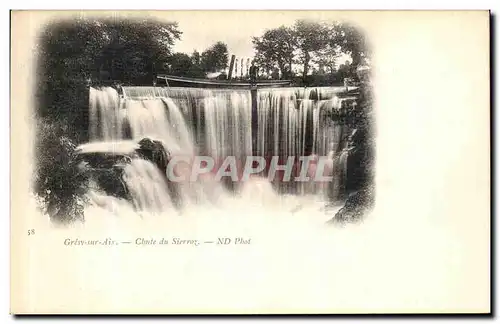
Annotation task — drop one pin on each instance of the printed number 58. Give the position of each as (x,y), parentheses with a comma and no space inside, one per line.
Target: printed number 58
(31,232)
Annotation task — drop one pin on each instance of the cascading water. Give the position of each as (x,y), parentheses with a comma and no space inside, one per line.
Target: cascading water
(228,127)
(147,186)
(298,122)
(105,119)
(290,250)
(208,121)
(187,121)
(218,123)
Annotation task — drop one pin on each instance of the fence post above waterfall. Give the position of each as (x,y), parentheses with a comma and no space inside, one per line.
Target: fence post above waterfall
(255,120)
(231,66)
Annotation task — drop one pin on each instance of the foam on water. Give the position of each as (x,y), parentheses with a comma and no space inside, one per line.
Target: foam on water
(396,261)
(294,262)
(217,123)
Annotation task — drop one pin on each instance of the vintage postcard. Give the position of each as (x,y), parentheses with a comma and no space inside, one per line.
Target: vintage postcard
(250,162)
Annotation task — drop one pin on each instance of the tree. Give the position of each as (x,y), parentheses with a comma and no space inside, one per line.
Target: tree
(196,58)
(58,182)
(215,58)
(327,57)
(275,48)
(71,53)
(66,55)
(136,47)
(344,70)
(351,41)
(196,70)
(308,42)
(180,64)
(311,37)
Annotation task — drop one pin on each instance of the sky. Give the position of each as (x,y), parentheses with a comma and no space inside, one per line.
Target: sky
(201,29)
(235,30)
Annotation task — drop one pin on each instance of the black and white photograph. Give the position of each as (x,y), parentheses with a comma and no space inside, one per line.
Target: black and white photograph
(118,105)
(250,162)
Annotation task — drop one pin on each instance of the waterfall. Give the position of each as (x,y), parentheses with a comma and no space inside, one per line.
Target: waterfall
(215,121)
(188,122)
(159,119)
(298,122)
(219,123)
(147,186)
(105,120)
(228,127)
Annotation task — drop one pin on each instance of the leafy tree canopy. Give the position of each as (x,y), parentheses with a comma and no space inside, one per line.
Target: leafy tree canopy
(308,42)
(275,48)
(215,58)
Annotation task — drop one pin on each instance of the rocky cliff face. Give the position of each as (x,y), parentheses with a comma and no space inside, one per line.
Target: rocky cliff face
(355,207)
(359,186)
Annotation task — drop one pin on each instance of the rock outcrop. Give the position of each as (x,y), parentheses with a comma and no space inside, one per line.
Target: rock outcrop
(359,184)
(154,151)
(355,206)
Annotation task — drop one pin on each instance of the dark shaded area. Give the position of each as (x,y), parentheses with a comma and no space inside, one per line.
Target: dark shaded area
(355,206)
(359,184)
(71,55)
(75,53)
(155,152)
(106,170)
(59,182)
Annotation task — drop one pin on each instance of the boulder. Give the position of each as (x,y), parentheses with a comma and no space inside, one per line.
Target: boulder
(106,166)
(154,151)
(355,206)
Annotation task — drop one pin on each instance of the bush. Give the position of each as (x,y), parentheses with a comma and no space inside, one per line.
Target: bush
(59,183)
